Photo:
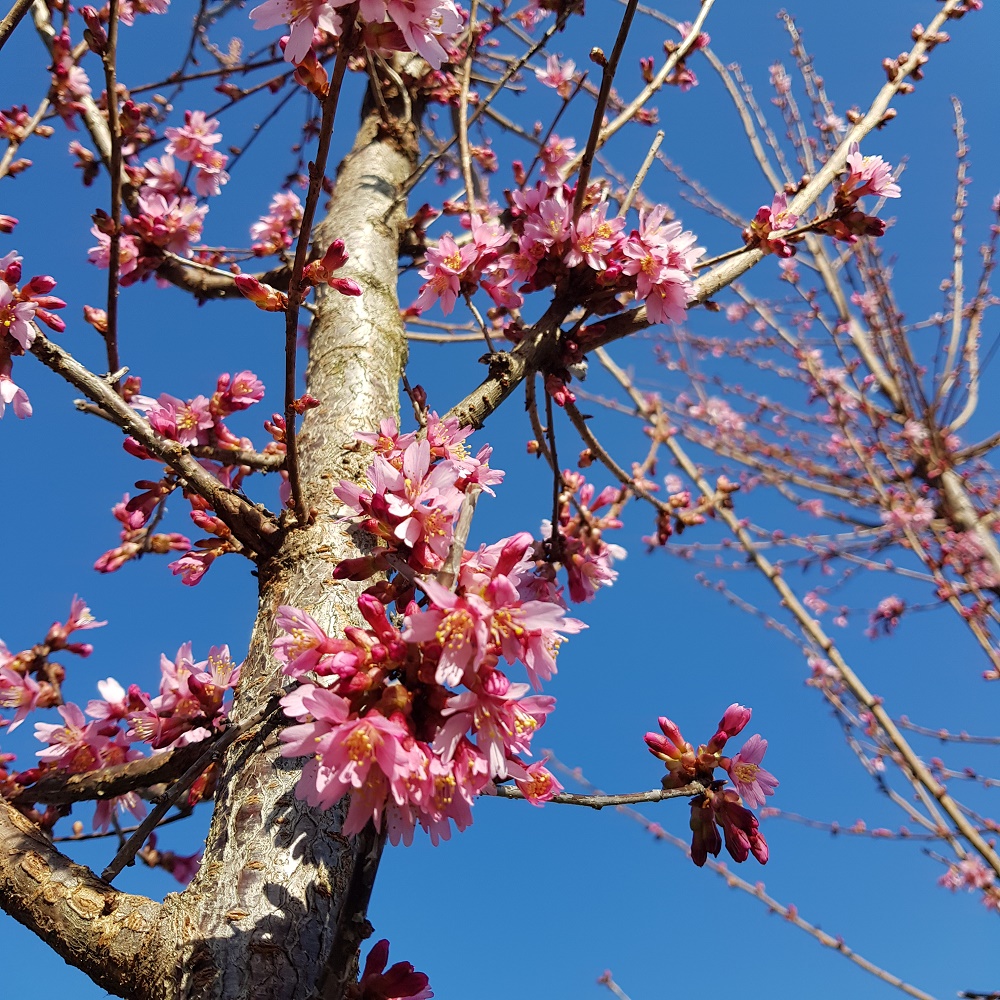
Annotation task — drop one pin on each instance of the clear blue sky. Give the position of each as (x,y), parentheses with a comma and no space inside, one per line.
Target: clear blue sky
(535,902)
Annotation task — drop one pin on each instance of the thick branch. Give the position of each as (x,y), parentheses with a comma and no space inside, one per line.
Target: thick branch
(61,788)
(107,934)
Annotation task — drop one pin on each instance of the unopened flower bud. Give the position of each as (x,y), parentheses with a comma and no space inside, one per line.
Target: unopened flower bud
(94,35)
(262,296)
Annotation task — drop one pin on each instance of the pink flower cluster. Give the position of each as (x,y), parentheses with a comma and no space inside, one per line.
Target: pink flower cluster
(971,874)
(773,228)
(423,26)
(867,176)
(770,227)
(29,679)
(20,307)
(193,423)
(718,808)
(580,544)
(544,244)
(885,617)
(191,705)
(412,716)
(279,229)
(169,219)
(70,83)
(194,142)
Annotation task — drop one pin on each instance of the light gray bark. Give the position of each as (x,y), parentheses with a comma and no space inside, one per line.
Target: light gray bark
(281,890)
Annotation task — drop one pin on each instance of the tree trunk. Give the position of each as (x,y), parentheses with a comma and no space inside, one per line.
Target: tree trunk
(276,911)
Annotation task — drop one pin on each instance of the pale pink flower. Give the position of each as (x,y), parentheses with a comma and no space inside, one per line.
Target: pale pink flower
(752,782)
(162,176)
(17,691)
(557,75)
(127,9)
(555,154)
(128,252)
(869,175)
(303,18)
(16,317)
(195,138)
(425,24)
(14,395)
(907,512)
(717,412)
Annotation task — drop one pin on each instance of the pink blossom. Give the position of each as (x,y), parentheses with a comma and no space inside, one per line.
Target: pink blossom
(184,422)
(558,75)
(908,513)
(16,317)
(769,226)
(195,138)
(172,224)
(555,154)
(14,395)
(162,176)
(594,236)
(445,265)
(538,784)
(303,17)
(425,24)
(885,616)
(277,230)
(17,691)
(127,9)
(459,625)
(304,645)
(364,756)
(717,411)
(662,258)
(869,175)
(128,252)
(752,782)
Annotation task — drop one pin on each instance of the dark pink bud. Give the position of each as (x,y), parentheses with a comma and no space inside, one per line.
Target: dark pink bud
(7,223)
(661,747)
(95,36)
(12,275)
(336,256)
(346,286)
(53,322)
(671,731)
(734,719)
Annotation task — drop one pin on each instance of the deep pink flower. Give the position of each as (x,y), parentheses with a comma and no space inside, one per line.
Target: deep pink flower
(400,982)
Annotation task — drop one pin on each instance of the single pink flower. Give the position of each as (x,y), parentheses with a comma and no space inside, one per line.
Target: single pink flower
(752,782)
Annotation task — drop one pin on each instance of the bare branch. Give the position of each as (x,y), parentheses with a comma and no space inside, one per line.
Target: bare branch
(255,528)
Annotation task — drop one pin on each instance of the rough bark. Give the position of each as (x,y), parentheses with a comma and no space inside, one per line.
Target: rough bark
(277,908)
(93,926)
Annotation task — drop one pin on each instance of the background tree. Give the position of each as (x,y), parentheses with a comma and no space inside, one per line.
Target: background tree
(278,905)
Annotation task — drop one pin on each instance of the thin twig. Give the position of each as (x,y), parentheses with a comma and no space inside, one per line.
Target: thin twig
(13,18)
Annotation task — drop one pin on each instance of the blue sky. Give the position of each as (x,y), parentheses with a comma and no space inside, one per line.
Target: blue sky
(541,901)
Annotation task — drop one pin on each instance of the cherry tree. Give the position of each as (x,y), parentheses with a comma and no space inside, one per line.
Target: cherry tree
(398,674)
